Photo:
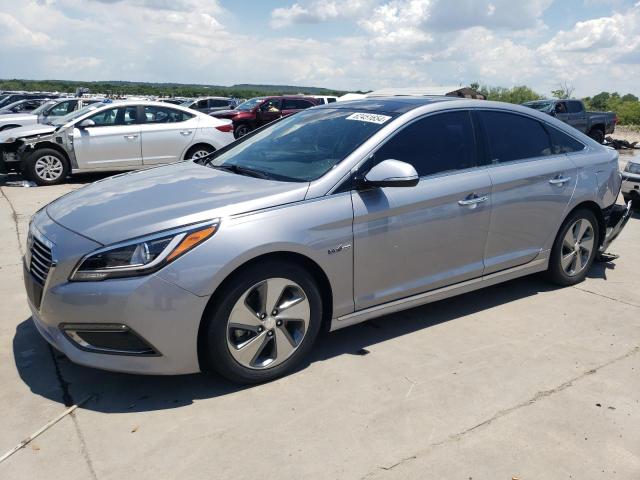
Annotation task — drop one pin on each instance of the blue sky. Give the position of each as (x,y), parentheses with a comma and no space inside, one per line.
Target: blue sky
(593,45)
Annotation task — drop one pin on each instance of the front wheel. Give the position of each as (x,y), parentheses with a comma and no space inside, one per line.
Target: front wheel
(574,248)
(47,167)
(265,324)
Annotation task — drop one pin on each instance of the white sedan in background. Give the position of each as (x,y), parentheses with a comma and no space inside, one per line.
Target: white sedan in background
(127,135)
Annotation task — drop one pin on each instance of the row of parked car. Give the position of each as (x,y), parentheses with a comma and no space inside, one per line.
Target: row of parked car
(69,135)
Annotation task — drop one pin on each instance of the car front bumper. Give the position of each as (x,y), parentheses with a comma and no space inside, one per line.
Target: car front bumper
(150,310)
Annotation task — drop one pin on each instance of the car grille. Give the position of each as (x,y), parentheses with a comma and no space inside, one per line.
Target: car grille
(41,260)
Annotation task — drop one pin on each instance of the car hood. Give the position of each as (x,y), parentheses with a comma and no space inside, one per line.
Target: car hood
(26,131)
(138,203)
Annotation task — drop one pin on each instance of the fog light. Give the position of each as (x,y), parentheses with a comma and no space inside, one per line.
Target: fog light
(109,338)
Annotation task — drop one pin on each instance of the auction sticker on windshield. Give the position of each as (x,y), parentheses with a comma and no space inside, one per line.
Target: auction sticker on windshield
(369,117)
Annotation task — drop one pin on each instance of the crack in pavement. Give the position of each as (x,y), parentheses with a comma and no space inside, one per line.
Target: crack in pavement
(607,297)
(83,446)
(538,396)
(14,216)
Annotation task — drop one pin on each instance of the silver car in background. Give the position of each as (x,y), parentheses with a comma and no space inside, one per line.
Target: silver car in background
(49,112)
(126,135)
(332,216)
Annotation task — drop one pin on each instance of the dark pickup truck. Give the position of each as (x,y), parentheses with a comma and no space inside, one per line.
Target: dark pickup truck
(594,124)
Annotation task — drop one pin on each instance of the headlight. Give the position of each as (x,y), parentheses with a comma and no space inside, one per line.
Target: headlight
(141,256)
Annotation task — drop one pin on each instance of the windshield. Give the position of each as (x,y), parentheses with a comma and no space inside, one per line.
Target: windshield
(78,113)
(43,107)
(249,104)
(544,106)
(302,147)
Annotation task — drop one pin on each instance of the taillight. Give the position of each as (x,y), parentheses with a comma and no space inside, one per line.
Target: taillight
(225,128)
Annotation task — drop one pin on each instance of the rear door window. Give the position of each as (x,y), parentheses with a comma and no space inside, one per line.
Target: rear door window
(155,114)
(434,144)
(563,143)
(514,137)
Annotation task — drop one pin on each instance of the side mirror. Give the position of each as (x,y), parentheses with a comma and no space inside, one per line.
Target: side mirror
(86,123)
(391,173)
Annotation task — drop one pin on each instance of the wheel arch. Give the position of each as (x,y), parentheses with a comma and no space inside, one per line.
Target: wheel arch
(9,126)
(47,144)
(319,275)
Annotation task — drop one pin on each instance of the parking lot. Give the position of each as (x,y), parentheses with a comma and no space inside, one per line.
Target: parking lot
(521,380)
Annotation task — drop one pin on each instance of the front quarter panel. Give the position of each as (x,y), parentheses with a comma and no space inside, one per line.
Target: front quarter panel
(311,228)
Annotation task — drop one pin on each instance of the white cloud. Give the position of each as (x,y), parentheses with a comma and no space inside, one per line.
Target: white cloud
(15,34)
(390,43)
(318,11)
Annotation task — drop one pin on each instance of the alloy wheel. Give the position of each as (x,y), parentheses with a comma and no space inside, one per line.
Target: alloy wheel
(199,154)
(49,168)
(268,323)
(577,246)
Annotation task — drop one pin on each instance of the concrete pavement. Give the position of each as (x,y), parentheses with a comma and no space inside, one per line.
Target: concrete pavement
(519,380)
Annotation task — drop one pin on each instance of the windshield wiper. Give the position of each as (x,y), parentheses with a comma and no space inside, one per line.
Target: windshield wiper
(250,172)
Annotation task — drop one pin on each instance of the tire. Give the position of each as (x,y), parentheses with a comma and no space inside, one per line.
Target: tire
(47,166)
(198,151)
(597,134)
(241,130)
(243,303)
(570,260)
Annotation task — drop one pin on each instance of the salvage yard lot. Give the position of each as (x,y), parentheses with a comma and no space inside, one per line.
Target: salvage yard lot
(519,380)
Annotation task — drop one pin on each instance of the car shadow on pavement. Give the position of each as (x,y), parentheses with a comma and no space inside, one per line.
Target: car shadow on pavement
(50,374)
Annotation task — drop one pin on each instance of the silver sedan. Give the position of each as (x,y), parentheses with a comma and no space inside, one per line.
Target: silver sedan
(324,219)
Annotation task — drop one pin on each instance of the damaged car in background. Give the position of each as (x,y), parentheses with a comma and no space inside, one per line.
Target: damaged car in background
(111,137)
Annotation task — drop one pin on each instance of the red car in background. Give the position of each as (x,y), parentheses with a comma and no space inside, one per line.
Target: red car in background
(259,111)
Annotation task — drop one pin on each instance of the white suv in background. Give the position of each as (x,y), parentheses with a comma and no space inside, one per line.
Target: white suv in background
(115,136)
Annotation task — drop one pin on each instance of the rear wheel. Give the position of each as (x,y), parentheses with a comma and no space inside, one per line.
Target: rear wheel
(198,151)
(265,324)
(597,134)
(241,130)
(47,166)
(574,248)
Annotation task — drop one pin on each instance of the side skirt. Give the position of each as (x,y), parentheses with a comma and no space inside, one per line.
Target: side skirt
(539,264)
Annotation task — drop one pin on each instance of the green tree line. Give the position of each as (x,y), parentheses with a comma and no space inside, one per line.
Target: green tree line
(627,107)
(161,89)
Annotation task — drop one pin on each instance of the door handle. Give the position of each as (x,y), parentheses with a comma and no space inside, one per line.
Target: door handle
(130,137)
(473,200)
(559,180)
(186,132)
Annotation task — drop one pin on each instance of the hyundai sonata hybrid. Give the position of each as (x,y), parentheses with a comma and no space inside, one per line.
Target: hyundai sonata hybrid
(234,262)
